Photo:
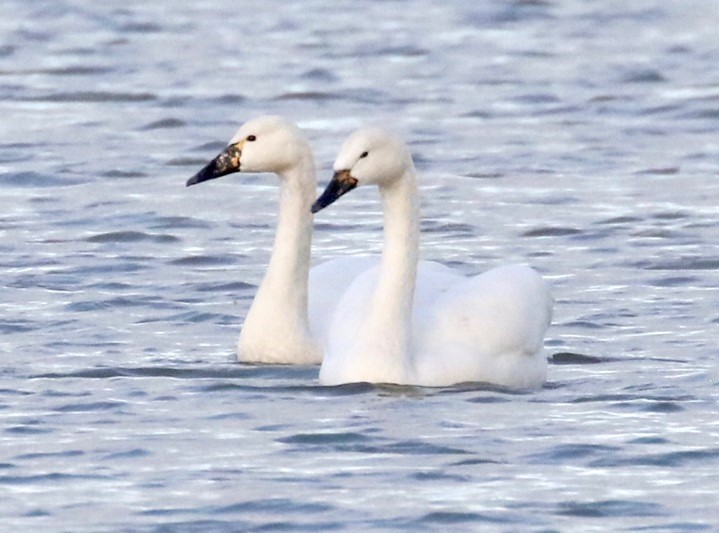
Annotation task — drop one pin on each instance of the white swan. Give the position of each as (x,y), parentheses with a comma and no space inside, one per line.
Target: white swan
(448,329)
(278,327)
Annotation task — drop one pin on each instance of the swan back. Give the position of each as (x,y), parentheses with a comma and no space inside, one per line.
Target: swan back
(488,328)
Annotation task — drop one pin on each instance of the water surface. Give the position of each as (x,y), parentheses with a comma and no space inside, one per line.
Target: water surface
(578,137)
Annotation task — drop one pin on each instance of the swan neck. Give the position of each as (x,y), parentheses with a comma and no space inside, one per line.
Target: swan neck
(401,240)
(285,282)
(290,258)
(390,313)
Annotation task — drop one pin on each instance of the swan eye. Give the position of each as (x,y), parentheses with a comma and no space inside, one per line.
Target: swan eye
(364,154)
(251,138)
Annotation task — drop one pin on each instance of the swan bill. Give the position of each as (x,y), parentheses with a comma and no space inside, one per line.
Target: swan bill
(341,183)
(227,162)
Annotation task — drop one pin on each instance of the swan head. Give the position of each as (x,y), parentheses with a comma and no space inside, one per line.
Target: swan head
(370,156)
(264,144)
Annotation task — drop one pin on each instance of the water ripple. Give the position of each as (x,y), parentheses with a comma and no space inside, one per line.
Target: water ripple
(165,123)
(91,97)
(51,478)
(35,179)
(551,232)
(449,519)
(610,508)
(586,131)
(567,358)
(230,371)
(204,260)
(665,460)
(90,406)
(130,236)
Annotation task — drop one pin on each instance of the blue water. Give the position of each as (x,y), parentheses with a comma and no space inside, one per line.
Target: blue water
(580,137)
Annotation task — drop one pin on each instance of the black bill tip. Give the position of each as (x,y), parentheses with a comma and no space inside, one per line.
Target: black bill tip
(341,183)
(225,163)
(205,174)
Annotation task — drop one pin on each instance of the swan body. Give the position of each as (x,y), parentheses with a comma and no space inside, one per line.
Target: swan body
(420,323)
(328,281)
(286,321)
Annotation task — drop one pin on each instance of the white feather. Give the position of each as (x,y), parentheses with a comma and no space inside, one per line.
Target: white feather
(420,323)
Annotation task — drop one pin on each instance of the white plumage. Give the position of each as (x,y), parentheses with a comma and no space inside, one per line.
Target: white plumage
(279,328)
(420,323)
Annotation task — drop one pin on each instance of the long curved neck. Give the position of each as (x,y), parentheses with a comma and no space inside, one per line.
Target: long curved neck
(280,305)
(395,288)
(290,261)
(390,314)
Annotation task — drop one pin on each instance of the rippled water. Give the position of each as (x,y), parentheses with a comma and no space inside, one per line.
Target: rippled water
(578,136)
